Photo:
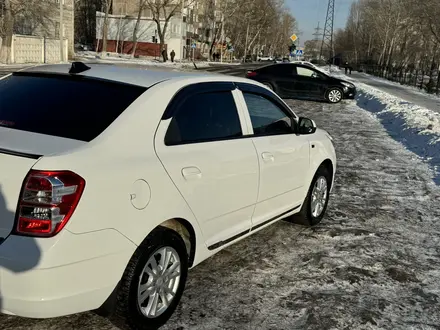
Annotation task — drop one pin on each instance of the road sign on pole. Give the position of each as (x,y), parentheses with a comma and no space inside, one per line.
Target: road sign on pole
(294,37)
(193,46)
(299,52)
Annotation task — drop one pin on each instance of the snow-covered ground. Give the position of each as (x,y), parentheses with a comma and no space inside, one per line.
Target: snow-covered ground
(373,263)
(112,58)
(416,127)
(412,89)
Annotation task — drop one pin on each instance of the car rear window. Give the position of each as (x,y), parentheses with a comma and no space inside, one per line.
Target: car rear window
(72,107)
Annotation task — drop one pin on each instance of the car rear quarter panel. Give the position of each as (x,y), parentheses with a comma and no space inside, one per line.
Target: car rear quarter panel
(113,162)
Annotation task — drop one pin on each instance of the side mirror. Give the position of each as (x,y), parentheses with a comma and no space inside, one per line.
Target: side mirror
(306,126)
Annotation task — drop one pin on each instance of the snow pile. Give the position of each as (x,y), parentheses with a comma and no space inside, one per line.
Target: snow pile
(425,121)
(411,89)
(415,127)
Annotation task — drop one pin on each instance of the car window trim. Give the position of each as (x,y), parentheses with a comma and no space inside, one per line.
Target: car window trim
(269,134)
(190,90)
(196,89)
(257,90)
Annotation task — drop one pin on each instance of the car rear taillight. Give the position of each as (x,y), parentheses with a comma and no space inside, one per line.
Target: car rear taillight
(47,201)
(251,74)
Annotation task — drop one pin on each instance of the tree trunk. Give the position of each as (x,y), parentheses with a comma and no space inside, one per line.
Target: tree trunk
(5,50)
(105,26)
(161,31)
(136,28)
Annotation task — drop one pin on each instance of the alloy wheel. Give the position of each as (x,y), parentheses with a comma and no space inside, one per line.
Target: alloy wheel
(159,282)
(319,197)
(335,95)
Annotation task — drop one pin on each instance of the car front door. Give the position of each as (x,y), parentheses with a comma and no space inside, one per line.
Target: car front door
(200,143)
(283,155)
(309,83)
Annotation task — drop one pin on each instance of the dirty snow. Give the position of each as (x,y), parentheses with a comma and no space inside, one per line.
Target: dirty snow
(425,120)
(373,263)
(416,127)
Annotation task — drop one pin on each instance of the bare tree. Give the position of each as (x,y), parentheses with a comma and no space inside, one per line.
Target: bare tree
(162,12)
(106,4)
(15,13)
(395,39)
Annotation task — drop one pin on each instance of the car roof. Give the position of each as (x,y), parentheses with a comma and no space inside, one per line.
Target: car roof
(134,76)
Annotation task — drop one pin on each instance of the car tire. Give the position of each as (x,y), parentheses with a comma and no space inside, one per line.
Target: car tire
(307,216)
(334,95)
(130,312)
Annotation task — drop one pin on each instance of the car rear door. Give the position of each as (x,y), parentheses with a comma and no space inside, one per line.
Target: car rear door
(284,78)
(308,83)
(283,156)
(200,143)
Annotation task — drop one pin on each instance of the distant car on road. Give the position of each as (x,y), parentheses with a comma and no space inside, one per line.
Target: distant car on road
(281,60)
(265,58)
(301,81)
(114,182)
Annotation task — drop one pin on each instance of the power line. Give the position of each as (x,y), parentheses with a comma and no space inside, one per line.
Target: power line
(327,38)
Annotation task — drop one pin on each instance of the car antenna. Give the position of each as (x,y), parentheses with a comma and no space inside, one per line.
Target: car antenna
(78,67)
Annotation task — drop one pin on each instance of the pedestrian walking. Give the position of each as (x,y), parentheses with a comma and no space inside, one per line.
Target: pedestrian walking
(346,67)
(172,54)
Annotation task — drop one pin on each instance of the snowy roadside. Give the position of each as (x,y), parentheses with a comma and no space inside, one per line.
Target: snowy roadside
(417,128)
(412,89)
(127,59)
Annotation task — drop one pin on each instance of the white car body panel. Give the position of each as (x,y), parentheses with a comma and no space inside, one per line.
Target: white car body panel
(78,269)
(219,180)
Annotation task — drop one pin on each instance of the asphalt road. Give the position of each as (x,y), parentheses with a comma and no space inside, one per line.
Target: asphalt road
(373,263)
(403,92)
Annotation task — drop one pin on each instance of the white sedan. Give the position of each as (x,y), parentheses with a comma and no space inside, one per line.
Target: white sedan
(114,182)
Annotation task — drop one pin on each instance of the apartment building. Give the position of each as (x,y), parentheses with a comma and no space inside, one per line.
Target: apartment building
(180,35)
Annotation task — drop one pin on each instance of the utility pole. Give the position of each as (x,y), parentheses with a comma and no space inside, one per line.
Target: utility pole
(317,35)
(61,30)
(327,39)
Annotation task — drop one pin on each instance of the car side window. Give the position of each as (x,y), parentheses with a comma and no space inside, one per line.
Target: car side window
(305,72)
(267,117)
(279,70)
(204,117)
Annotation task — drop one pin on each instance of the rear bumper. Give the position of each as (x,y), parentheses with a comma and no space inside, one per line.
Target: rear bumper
(44,278)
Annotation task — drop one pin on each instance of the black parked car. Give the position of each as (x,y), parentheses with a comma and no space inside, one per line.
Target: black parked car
(304,82)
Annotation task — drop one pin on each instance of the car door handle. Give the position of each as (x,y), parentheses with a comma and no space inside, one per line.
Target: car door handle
(190,173)
(268,157)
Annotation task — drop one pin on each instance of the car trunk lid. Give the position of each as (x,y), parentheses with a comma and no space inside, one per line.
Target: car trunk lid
(19,152)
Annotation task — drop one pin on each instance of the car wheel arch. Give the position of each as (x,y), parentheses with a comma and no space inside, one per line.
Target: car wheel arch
(328,164)
(328,89)
(185,230)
